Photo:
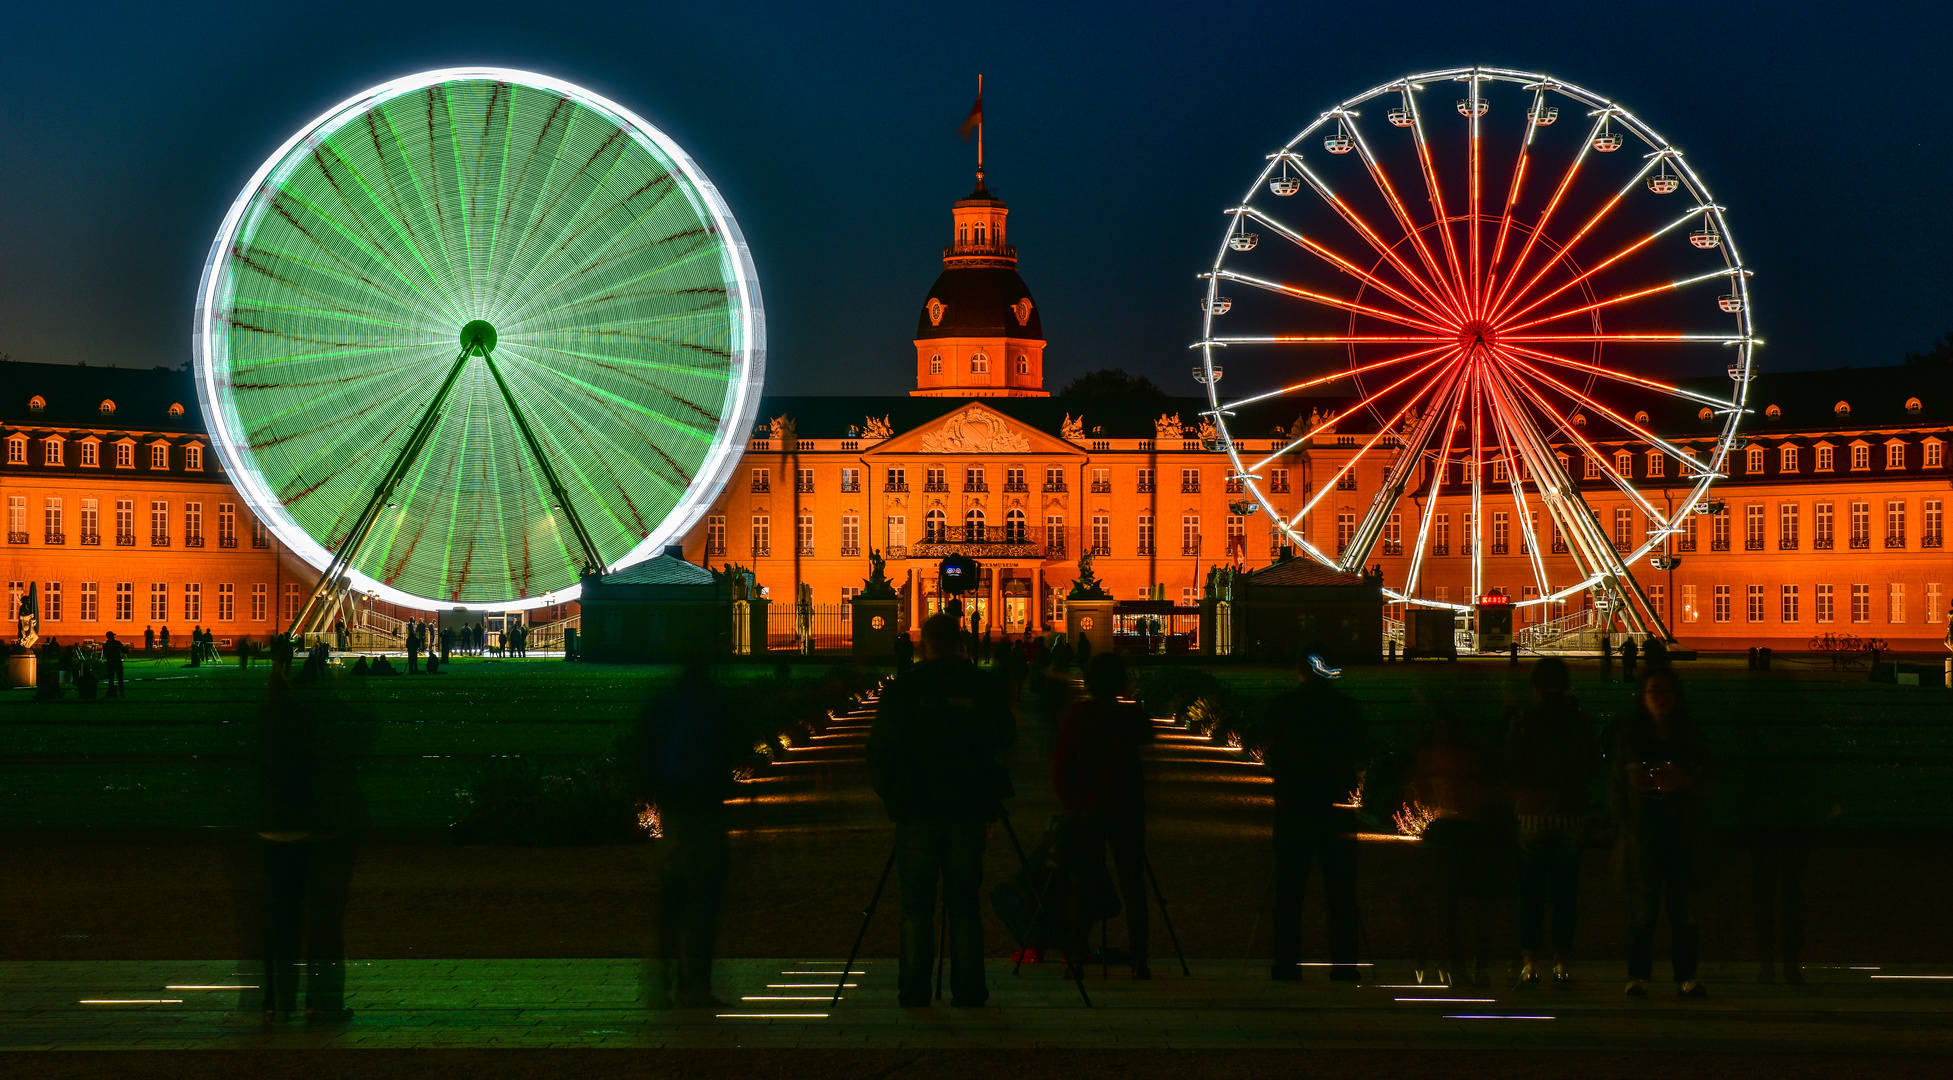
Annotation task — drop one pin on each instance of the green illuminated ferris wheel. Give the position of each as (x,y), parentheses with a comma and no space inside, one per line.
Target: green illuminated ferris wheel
(475,332)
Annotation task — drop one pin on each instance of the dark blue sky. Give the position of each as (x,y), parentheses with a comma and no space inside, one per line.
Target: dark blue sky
(1116,133)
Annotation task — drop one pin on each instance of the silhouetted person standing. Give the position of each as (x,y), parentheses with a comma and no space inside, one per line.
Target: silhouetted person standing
(689,737)
(934,753)
(904,653)
(1657,768)
(413,648)
(1630,655)
(1458,891)
(113,652)
(1100,782)
(1553,763)
(1312,743)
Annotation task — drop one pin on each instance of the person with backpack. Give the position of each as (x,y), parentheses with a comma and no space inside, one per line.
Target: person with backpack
(935,754)
(1100,782)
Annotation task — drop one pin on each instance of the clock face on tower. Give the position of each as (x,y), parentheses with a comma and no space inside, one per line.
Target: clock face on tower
(936,309)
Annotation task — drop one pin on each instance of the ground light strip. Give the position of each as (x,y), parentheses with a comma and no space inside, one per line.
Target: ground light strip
(188,987)
(1455,1001)
(131,1001)
(772,1016)
(1912,976)
(1471,1016)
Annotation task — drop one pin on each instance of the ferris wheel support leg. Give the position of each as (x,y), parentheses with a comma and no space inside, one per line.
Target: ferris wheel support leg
(316,605)
(593,560)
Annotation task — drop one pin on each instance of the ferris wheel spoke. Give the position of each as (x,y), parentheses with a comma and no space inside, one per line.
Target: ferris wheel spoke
(322,226)
(1362,404)
(1476,195)
(1335,376)
(1719,339)
(1516,471)
(1329,301)
(1566,250)
(1436,295)
(1512,190)
(1316,339)
(405,252)
(1545,216)
(1397,477)
(1654,440)
(425,200)
(1607,466)
(1346,266)
(1403,215)
(1622,376)
(1588,273)
(1429,168)
(1623,298)
(1439,463)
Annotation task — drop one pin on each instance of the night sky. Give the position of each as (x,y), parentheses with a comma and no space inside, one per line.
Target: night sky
(1116,133)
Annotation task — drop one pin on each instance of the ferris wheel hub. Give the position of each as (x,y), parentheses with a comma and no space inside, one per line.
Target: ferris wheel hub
(1477,334)
(478,338)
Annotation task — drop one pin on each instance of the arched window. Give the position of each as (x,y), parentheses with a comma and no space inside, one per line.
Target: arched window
(963,233)
(1755,463)
(979,233)
(176,409)
(1913,405)
(973,524)
(935,365)
(1773,411)
(36,403)
(1842,408)
(979,364)
(1015,530)
(107,407)
(1023,364)
(935,527)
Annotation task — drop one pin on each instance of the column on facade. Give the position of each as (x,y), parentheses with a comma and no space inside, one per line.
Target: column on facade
(1037,599)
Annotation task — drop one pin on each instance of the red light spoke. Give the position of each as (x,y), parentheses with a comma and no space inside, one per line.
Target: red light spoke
(1512,191)
(1361,404)
(1388,253)
(1336,375)
(1350,268)
(1478,307)
(1651,437)
(1666,286)
(1621,376)
(1437,208)
(1331,301)
(1404,219)
(1539,229)
(1566,249)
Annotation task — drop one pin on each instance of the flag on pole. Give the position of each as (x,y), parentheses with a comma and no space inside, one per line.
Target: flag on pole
(971,121)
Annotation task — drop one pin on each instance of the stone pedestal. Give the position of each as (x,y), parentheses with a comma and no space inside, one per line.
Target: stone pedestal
(22,669)
(1090,620)
(875,627)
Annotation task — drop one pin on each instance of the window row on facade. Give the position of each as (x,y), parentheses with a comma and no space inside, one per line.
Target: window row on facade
(88,518)
(152,602)
(1828,602)
(91,452)
(976,478)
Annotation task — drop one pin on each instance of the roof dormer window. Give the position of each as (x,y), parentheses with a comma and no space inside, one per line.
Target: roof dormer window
(125,454)
(159,456)
(51,451)
(36,403)
(1913,405)
(176,408)
(91,452)
(17,450)
(107,407)
(1842,408)
(1773,411)
(193,457)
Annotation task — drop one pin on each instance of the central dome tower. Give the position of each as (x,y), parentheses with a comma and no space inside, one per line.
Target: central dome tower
(979,333)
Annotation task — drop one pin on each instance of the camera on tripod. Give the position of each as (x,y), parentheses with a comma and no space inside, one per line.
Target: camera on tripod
(956,575)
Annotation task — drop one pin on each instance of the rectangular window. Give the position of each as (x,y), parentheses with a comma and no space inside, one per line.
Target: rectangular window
(1753,527)
(1787,526)
(1722,603)
(1345,531)
(227,524)
(17,451)
(88,455)
(1895,523)
(936,479)
(1689,612)
(260,535)
(804,534)
(849,592)
(1933,602)
(1393,535)
(1054,534)
(1826,610)
(193,458)
(50,601)
(898,480)
(1501,531)
(193,524)
(159,522)
(1346,480)
(1787,603)
(125,601)
(762,535)
(159,456)
(1861,524)
(16,519)
(1014,479)
(973,479)
(762,480)
(1719,530)
(1237,536)
(1895,602)
(16,590)
(159,601)
(715,534)
(1189,481)
(1826,458)
(193,602)
(1441,534)
(1895,455)
(291,602)
(1145,480)
(850,534)
(1861,456)
(1054,479)
(1278,481)
(125,521)
(91,520)
(227,602)
(850,480)
(1101,534)
(1190,534)
(1861,603)
(1935,454)
(1787,459)
(125,455)
(1756,603)
(1102,480)
(804,481)
(1821,516)
(898,531)
(51,519)
(258,601)
(51,451)
(90,611)
(1623,528)
(1145,534)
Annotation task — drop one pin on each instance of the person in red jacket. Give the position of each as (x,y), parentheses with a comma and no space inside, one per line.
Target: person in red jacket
(1100,782)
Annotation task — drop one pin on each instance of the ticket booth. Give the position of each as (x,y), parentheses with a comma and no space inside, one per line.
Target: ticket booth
(1492,618)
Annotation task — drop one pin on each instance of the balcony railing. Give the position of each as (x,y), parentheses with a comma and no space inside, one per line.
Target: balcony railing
(975,485)
(1931,540)
(1821,543)
(1016,486)
(1146,548)
(1499,547)
(1054,549)
(1279,487)
(762,551)
(1056,487)
(125,539)
(54,538)
(193,541)
(1236,486)
(1686,543)
(718,549)
(90,539)
(256,541)
(804,487)
(1559,545)
(896,551)
(936,485)
(851,487)
(896,485)
(1145,487)
(762,487)
(1101,487)
(16,537)
(1719,544)
(1440,549)
(227,541)
(850,551)
(1896,541)
(806,551)
(1101,550)
(1754,543)
(159,540)
(1393,547)
(979,540)
(1861,541)
(1189,487)
(1190,547)
(1787,543)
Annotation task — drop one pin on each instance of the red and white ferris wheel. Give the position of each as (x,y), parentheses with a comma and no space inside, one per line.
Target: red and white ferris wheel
(1503,273)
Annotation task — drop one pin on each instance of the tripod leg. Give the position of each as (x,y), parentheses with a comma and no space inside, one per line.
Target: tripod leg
(942,945)
(867,914)
(1022,859)
(1165,917)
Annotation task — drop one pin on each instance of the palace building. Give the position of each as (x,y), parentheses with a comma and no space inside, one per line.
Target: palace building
(1832,520)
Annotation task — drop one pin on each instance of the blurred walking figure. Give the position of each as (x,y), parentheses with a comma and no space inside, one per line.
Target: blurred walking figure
(689,738)
(935,756)
(1100,781)
(308,820)
(113,653)
(1311,739)
(1785,802)
(1658,766)
(1630,654)
(1553,763)
(1463,856)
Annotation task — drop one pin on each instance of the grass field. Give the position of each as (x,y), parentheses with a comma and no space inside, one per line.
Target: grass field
(173,754)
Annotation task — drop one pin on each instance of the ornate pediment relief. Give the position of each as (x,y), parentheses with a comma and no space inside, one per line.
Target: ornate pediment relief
(975,430)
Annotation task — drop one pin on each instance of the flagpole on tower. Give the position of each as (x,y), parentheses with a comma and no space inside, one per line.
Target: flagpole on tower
(979,129)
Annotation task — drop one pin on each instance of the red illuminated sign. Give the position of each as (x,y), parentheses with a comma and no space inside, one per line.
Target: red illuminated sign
(1494,600)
